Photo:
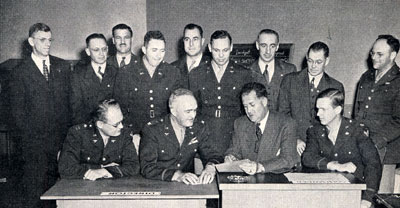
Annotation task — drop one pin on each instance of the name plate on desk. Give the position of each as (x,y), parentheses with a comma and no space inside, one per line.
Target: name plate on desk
(131,193)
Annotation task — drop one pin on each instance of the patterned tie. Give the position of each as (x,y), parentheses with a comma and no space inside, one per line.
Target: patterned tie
(266,74)
(259,135)
(122,64)
(312,83)
(45,70)
(101,74)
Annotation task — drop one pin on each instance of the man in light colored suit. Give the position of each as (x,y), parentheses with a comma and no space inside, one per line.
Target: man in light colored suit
(264,139)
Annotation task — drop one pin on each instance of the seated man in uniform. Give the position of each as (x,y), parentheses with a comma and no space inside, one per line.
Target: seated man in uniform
(101,148)
(169,144)
(265,140)
(341,144)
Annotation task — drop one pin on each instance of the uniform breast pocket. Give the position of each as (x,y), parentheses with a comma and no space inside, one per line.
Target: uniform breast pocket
(165,154)
(88,156)
(115,156)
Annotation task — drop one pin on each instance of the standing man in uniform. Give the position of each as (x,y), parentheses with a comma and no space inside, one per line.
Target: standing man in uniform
(39,89)
(93,82)
(144,88)
(122,39)
(377,104)
(341,144)
(299,90)
(267,69)
(100,148)
(171,142)
(217,85)
(193,42)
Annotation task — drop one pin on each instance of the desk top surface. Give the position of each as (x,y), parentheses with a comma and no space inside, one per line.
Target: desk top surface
(125,188)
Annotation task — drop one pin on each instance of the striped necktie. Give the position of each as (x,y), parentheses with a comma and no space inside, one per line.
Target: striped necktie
(45,70)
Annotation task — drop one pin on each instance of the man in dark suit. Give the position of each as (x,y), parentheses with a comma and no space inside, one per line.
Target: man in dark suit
(299,90)
(100,148)
(122,39)
(94,82)
(265,139)
(267,69)
(216,86)
(341,144)
(193,42)
(39,89)
(170,143)
(143,89)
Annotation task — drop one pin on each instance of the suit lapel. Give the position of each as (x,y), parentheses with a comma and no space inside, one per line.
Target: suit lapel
(343,134)
(36,75)
(306,92)
(90,77)
(389,76)
(169,133)
(270,133)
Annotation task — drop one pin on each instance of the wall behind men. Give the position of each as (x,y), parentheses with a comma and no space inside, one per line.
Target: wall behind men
(71,21)
(348,27)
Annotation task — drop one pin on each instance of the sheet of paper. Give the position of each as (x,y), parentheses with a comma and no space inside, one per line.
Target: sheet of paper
(229,166)
(316,178)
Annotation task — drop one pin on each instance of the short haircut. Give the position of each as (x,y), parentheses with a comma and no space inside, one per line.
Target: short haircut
(317,46)
(100,113)
(157,35)
(221,34)
(95,36)
(177,93)
(193,26)
(391,41)
(336,96)
(38,27)
(121,27)
(268,31)
(258,88)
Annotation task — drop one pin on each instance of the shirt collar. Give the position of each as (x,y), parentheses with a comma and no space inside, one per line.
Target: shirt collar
(127,58)
(96,67)
(177,127)
(317,78)
(196,59)
(271,65)
(215,66)
(39,61)
(263,122)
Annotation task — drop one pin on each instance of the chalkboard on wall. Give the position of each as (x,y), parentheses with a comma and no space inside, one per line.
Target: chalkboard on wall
(246,54)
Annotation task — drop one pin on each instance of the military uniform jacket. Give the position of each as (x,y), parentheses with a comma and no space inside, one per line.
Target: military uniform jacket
(296,99)
(182,66)
(377,105)
(142,97)
(112,60)
(84,149)
(277,148)
(40,108)
(352,145)
(281,69)
(161,155)
(219,99)
(88,91)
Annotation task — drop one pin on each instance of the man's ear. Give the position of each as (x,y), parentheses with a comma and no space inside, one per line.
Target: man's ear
(264,101)
(257,45)
(338,110)
(30,41)
(327,61)
(87,51)
(99,124)
(144,50)
(209,47)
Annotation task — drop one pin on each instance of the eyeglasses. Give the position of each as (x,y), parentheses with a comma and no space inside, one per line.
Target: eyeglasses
(114,125)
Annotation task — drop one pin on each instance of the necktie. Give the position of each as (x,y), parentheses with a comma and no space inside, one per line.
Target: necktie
(122,64)
(191,65)
(45,70)
(259,135)
(182,136)
(266,74)
(312,83)
(101,73)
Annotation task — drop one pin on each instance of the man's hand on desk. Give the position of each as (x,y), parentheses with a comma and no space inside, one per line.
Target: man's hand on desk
(251,167)
(230,158)
(207,175)
(187,178)
(346,167)
(365,204)
(301,146)
(94,174)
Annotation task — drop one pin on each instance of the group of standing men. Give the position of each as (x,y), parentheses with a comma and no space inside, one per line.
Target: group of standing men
(169,124)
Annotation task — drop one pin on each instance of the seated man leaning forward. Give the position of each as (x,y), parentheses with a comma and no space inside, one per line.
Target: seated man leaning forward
(100,148)
(264,140)
(169,144)
(341,144)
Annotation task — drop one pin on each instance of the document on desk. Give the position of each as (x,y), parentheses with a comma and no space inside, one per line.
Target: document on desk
(316,178)
(229,166)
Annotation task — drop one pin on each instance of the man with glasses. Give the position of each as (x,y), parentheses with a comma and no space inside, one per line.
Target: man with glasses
(39,107)
(93,82)
(299,90)
(100,148)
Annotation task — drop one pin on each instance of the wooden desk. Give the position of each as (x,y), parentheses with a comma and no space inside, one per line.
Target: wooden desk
(82,193)
(274,190)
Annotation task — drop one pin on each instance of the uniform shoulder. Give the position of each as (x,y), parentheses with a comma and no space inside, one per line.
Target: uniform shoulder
(239,67)
(82,127)
(156,122)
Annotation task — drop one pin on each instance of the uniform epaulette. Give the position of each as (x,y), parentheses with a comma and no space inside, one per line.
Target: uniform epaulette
(156,121)
(82,126)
